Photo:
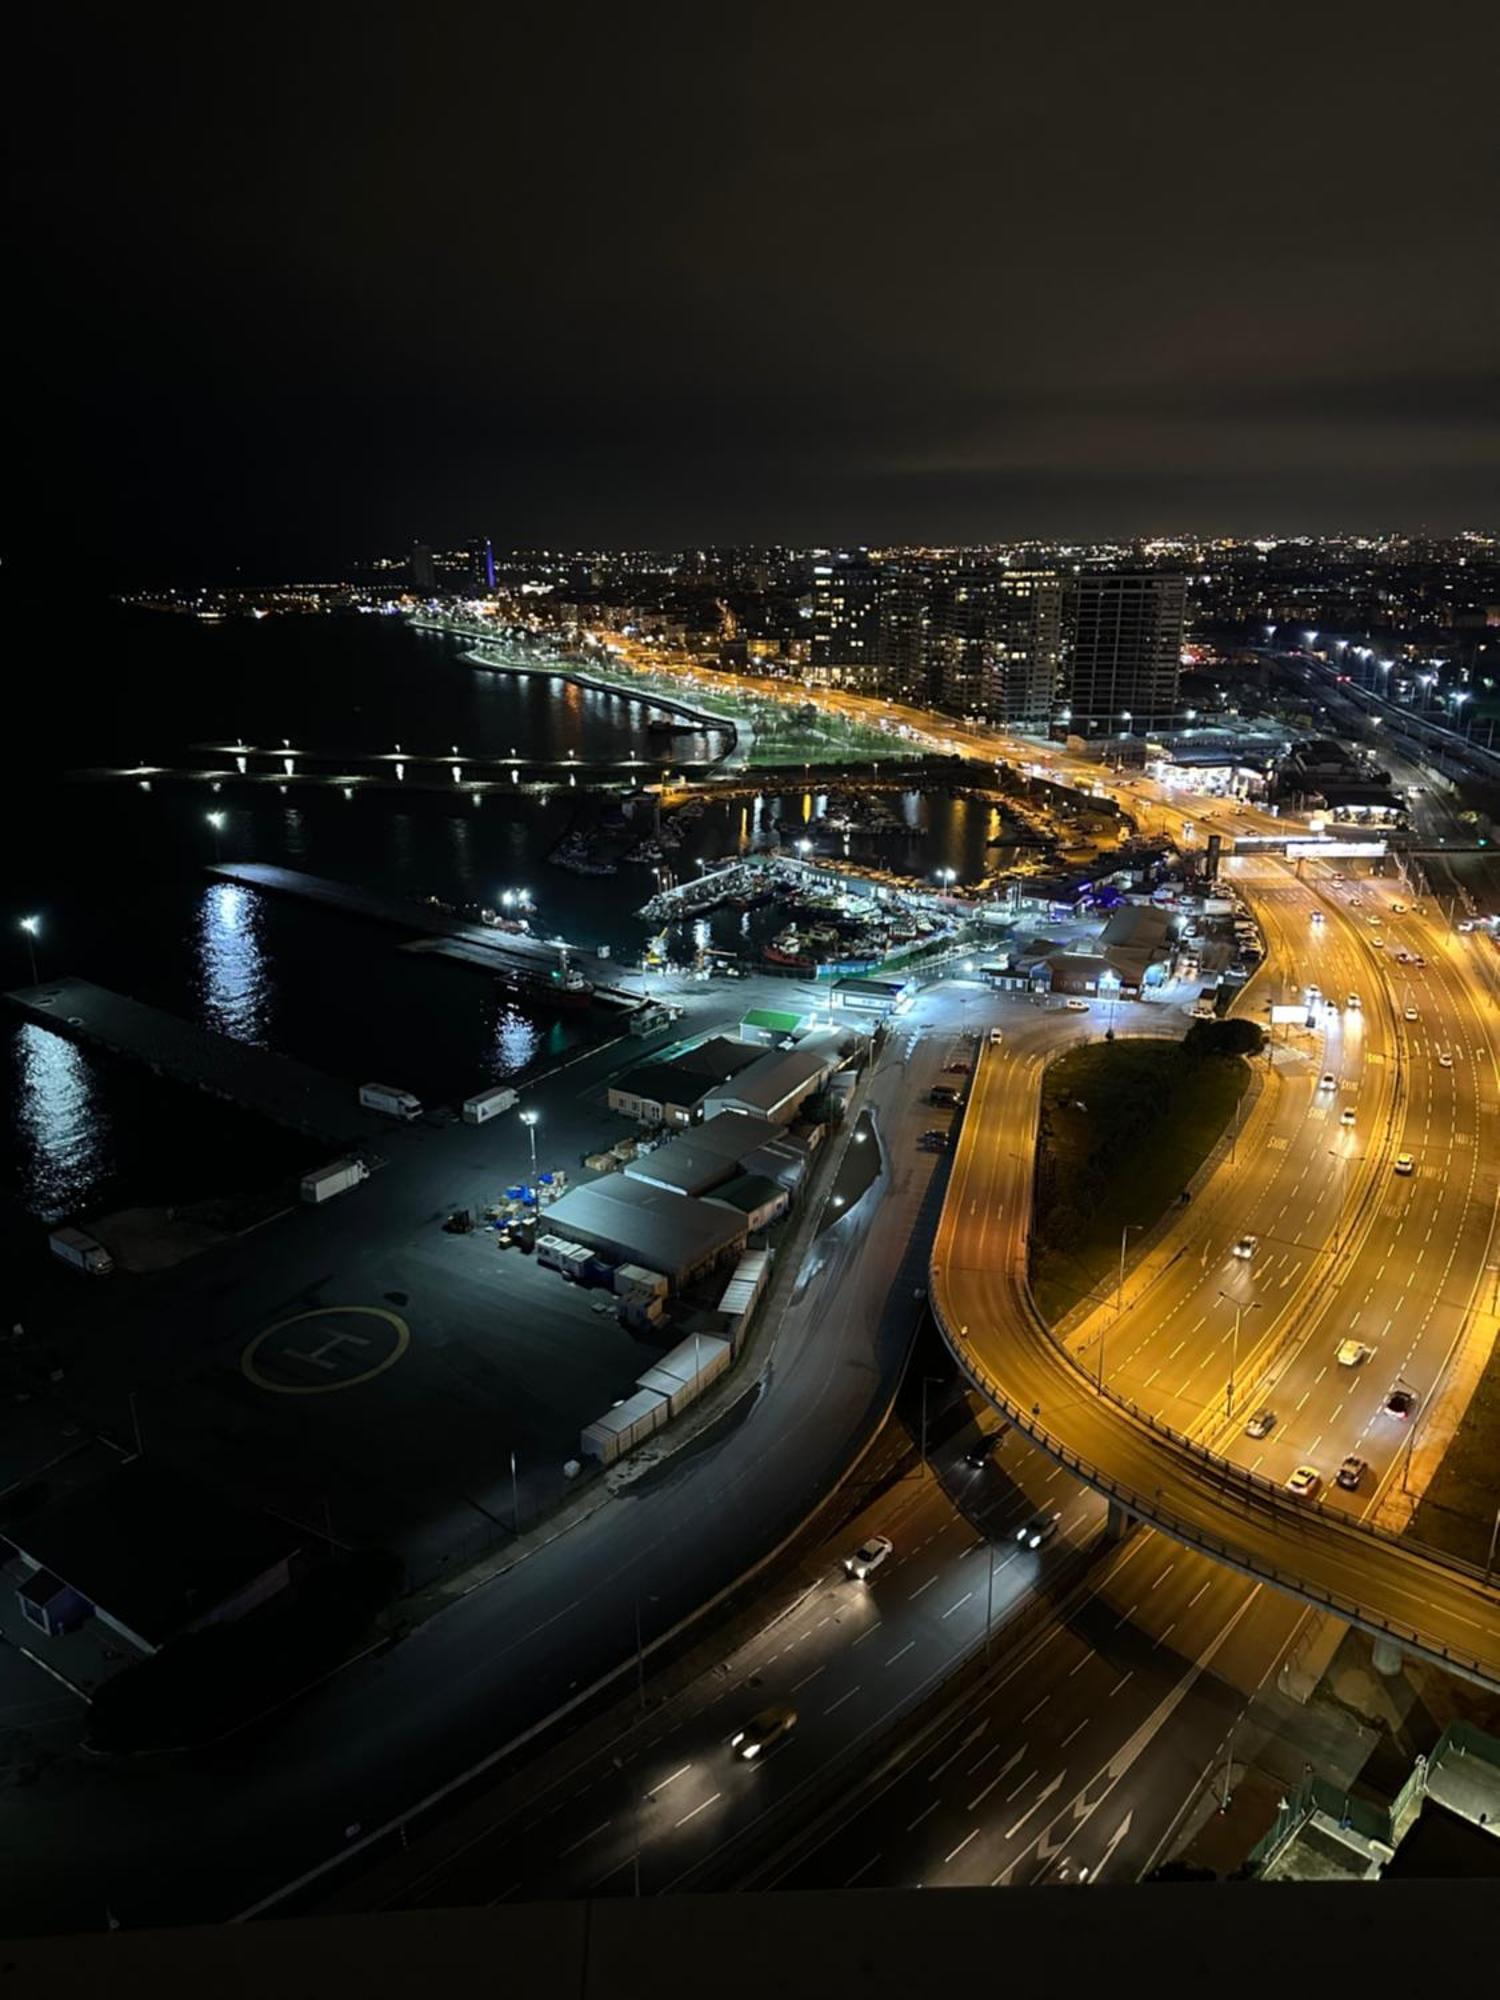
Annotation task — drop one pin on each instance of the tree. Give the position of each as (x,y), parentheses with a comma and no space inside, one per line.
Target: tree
(1234,1037)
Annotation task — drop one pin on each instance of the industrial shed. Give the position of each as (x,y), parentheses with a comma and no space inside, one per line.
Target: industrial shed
(671,1233)
(776,1085)
(759,1200)
(672,1092)
(705,1156)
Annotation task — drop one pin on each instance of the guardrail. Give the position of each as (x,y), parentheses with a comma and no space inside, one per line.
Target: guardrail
(1231,1480)
(1151,1511)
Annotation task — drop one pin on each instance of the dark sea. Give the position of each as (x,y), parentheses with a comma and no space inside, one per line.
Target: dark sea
(115,869)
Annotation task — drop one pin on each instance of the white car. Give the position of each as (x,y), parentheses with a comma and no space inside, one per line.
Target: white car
(1406,1166)
(1353,1352)
(1304,1483)
(1328,1081)
(1078,1006)
(1352,1003)
(1445,1059)
(1377,944)
(1346,1116)
(868,1557)
(1247,1246)
(1398,909)
(1409,1014)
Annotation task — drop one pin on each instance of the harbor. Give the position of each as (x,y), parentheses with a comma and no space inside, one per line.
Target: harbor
(289,1093)
(546,973)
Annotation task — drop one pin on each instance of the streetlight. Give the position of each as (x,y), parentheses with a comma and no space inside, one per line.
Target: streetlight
(528,1119)
(33,929)
(1240,1309)
(925,1380)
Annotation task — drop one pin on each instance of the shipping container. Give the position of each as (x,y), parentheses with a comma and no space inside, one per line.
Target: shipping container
(621,1429)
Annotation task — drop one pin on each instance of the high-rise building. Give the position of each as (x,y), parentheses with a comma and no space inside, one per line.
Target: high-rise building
(996,642)
(845,619)
(482,566)
(1125,652)
(903,608)
(423,570)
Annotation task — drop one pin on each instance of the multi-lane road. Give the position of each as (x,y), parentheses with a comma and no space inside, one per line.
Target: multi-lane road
(1431,1233)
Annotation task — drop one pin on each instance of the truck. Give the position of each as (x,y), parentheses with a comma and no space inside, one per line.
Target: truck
(385,1097)
(81,1251)
(333,1179)
(488,1104)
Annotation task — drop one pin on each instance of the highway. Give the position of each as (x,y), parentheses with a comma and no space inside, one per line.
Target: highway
(1247,1519)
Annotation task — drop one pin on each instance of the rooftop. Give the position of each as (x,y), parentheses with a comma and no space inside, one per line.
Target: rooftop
(154,1550)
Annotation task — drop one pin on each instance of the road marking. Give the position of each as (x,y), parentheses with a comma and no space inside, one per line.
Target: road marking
(961,1846)
(806,1678)
(841,1700)
(1035,1806)
(902,1654)
(584,1839)
(956,1607)
(698,1809)
(1164,1575)
(1119,1684)
(921,1587)
(1074,1732)
(681,1772)
(924,1814)
(1036,1708)
(861,1871)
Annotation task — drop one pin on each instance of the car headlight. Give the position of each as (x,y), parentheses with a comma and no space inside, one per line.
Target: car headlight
(737,1739)
(750,1750)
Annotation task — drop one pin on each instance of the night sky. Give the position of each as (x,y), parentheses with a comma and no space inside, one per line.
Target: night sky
(302,284)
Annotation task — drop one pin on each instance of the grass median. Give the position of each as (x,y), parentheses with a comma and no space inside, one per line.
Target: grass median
(1457,1513)
(1125,1126)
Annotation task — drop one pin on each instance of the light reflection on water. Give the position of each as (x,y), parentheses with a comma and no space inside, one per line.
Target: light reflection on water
(63,1131)
(231,964)
(517,1039)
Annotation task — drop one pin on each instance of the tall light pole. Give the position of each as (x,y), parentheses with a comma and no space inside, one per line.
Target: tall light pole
(925,1380)
(528,1119)
(1240,1309)
(33,929)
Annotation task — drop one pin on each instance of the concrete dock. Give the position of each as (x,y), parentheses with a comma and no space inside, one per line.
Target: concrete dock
(506,951)
(288,1093)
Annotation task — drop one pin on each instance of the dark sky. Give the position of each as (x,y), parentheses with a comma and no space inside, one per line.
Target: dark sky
(303,282)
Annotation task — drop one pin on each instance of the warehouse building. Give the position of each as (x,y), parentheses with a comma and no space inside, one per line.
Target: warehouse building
(759,1200)
(673,1092)
(675,1234)
(776,1085)
(703,1157)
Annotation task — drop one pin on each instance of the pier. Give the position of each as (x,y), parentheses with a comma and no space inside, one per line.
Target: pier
(288,1093)
(507,954)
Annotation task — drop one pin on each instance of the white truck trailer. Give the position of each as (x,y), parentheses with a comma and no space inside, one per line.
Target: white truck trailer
(81,1251)
(394,1103)
(488,1104)
(333,1179)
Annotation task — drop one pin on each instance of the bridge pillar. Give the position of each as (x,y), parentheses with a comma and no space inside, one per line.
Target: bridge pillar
(1387,1656)
(1117,1523)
